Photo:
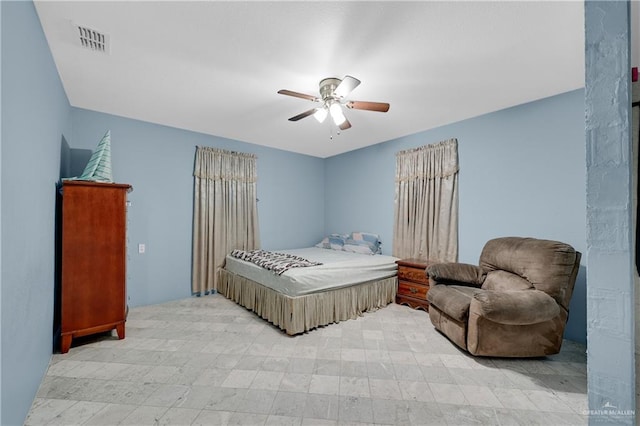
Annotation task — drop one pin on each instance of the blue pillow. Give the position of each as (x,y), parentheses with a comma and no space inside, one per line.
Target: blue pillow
(332,242)
(363,242)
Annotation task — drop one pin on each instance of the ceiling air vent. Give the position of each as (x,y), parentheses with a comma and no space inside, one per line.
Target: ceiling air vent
(92,39)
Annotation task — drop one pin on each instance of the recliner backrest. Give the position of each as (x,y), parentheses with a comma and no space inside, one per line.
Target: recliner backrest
(550,266)
(501,280)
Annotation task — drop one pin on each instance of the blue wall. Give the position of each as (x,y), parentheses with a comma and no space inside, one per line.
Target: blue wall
(35,118)
(522,172)
(158,161)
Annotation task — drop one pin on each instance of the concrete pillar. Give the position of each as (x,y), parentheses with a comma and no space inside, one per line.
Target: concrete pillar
(610,251)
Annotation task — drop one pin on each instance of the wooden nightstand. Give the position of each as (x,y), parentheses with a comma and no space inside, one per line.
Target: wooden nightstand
(413,283)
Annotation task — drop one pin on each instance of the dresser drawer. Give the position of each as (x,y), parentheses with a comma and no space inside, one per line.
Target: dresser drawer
(414,290)
(413,274)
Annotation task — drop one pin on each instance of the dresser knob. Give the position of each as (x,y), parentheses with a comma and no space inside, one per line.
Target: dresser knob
(413,290)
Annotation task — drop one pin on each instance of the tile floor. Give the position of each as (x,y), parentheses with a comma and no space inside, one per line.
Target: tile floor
(208,361)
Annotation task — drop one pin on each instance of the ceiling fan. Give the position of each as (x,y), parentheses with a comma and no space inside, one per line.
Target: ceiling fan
(333,92)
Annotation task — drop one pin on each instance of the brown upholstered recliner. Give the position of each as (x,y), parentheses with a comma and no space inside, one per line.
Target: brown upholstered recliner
(515,304)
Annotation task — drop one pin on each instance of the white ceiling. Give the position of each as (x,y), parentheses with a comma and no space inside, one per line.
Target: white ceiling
(215,67)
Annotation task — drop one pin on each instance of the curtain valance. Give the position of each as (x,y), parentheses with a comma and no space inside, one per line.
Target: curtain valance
(428,161)
(219,164)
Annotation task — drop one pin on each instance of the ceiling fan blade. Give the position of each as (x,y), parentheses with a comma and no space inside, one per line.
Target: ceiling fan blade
(369,106)
(346,86)
(303,115)
(298,95)
(345,125)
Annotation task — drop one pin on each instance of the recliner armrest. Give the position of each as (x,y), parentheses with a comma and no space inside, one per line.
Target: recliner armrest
(514,307)
(456,273)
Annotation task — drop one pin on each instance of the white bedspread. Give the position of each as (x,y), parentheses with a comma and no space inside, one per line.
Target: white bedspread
(338,269)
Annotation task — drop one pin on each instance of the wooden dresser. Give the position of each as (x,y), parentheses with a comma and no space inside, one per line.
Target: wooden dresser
(413,283)
(93,257)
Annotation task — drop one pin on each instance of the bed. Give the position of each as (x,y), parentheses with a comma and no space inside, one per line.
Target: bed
(344,286)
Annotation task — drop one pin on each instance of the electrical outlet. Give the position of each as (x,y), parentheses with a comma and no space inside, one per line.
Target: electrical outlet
(141,248)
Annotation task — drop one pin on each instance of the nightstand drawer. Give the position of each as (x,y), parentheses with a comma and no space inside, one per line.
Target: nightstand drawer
(413,274)
(415,290)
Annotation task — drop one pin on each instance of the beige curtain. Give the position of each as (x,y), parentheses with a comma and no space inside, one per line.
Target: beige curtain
(225,212)
(426,202)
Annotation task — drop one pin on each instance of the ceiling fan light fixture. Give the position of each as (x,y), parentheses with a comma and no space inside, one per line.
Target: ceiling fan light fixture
(320,114)
(332,97)
(336,113)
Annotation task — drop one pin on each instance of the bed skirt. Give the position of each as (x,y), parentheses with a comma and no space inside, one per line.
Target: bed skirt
(302,313)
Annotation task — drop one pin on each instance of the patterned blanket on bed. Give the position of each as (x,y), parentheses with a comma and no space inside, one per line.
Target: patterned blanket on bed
(276,262)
